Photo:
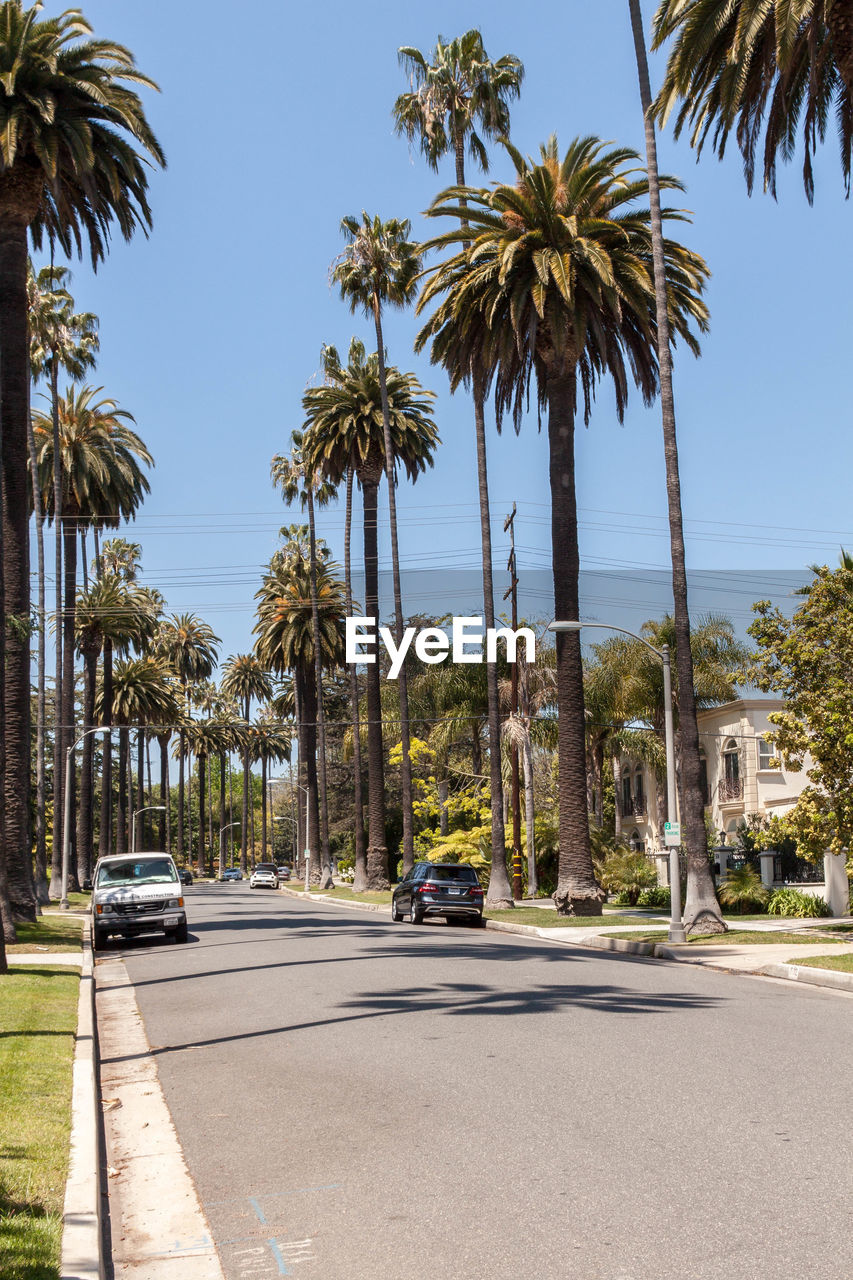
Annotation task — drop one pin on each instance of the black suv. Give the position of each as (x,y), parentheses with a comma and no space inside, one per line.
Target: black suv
(438,889)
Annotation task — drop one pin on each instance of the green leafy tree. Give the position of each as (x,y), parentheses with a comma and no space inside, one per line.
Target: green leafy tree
(805,660)
(346,435)
(744,67)
(554,276)
(73,135)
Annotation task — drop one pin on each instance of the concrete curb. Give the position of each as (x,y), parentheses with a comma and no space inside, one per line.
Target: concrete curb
(82,1251)
(805,973)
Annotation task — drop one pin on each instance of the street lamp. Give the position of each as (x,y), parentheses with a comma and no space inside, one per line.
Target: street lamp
(64,904)
(222,831)
(676,924)
(149,808)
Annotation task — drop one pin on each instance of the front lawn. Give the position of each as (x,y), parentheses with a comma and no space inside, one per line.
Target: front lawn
(842,963)
(49,933)
(381,896)
(38,1014)
(550,920)
(734,938)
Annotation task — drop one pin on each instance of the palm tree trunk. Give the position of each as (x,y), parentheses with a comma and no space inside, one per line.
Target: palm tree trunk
(85,808)
(264,810)
(308,701)
(402,681)
(165,824)
(230,812)
(529,816)
(181,749)
(326,858)
(202,823)
(59,728)
(121,808)
(42,893)
(14,407)
(617,796)
(244,846)
(377,852)
(67,702)
(499,894)
(360,874)
(140,788)
(701,911)
(105,844)
(577,892)
(221,810)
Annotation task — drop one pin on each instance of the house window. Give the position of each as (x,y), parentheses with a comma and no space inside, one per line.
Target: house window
(627,801)
(766,754)
(639,796)
(638,845)
(730,785)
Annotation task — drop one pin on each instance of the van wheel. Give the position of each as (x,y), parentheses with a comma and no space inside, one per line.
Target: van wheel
(182,932)
(99,939)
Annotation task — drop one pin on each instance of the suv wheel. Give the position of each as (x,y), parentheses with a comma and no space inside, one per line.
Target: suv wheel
(416,917)
(396,913)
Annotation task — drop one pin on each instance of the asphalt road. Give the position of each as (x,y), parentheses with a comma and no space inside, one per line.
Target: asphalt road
(359,1100)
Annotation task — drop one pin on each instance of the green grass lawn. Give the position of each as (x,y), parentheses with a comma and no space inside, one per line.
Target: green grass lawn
(550,920)
(38,1014)
(842,963)
(734,938)
(49,933)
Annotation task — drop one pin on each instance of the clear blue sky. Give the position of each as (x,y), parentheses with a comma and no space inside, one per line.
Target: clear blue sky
(276,122)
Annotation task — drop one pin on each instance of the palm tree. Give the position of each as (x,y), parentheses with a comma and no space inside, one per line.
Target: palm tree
(753,65)
(554,280)
(245,680)
(60,338)
(346,432)
(285,642)
(298,482)
(101,482)
(701,910)
(380,266)
(269,742)
(69,170)
(454,93)
(191,649)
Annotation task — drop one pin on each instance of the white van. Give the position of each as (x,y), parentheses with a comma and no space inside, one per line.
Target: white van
(136,893)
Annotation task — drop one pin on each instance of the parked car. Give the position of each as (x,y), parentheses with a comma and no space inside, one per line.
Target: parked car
(137,893)
(283,873)
(439,889)
(186,875)
(232,873)
(264,876)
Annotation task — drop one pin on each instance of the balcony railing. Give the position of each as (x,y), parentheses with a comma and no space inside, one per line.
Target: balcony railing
(635,807)
(729,789)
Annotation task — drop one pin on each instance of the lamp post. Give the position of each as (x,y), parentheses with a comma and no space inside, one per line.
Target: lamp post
(149,808)
(222,831)
(64,904)
(676,924)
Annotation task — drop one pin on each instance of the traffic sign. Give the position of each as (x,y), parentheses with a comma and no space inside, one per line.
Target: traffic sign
(671,835)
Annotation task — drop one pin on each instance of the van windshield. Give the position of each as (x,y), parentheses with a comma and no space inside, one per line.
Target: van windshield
(144,871)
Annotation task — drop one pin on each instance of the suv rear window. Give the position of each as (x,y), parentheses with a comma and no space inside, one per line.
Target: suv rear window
(266,866)
(444,872)
(144,871)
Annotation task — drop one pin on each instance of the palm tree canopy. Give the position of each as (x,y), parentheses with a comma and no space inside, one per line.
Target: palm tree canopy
(297,477)
(67,164)
(380,264)
(753,65)
(57,332)
(555,273)
(102,480)
(269,740)
(344,419)
(284,630)
(454,90)
(245,678)
(190,647)
(143,693)
(112,610)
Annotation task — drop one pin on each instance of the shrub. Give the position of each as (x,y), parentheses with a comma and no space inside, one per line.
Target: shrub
(628,873)
(802,906)
(743,889)
(658,897)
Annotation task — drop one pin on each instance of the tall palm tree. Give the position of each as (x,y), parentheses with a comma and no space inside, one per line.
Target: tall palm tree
(246,680)
(554,277)
(744,66)
(60,338)
(459,89)
(285,643)
(701,911)
(455,90)
(298,481)
(101,482)
(191,648)
(72,138)
(380,267)
(346,431)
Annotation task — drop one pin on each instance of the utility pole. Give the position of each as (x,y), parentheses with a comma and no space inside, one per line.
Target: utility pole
(517,885)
